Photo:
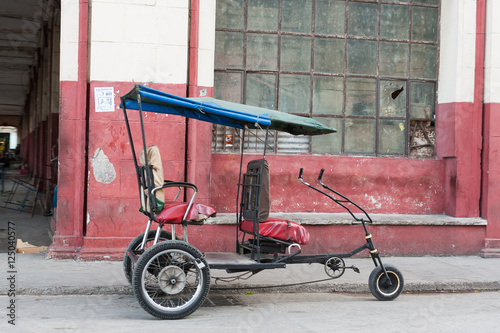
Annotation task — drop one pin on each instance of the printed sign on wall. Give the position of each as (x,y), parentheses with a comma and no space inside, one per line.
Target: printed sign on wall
(104,99)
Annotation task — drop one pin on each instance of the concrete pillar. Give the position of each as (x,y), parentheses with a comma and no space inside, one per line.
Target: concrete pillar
(201,77)
(68,238)
(157,55)
(459,113)
(491,149)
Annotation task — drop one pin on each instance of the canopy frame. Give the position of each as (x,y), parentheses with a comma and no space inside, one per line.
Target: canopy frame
(145,99)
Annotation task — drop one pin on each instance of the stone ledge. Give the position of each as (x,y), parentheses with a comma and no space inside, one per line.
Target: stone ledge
(378,219)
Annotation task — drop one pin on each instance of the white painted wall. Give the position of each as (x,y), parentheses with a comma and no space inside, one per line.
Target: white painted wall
(492,53)
(457,51)
(206,46)
(139,41)
(69,40)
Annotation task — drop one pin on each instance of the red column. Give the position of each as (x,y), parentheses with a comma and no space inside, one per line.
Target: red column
(199,134)
(71,197)
(490,201)
(459,139)
(491,180)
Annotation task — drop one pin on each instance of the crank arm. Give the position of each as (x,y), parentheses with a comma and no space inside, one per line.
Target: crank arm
(354,268)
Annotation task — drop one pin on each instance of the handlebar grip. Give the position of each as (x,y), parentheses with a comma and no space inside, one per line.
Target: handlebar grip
(300,172)
(321,174)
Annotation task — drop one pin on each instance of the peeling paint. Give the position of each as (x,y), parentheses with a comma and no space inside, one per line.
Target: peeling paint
(373,201)
(88,218)
(104,171)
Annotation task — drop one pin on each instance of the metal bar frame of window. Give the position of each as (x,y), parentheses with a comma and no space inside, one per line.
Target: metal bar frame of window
(345,75)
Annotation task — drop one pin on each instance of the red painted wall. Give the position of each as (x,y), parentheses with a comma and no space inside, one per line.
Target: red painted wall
(389,240)
(103,217)
(112,214)
(458,144)
(68,237)
(380,185)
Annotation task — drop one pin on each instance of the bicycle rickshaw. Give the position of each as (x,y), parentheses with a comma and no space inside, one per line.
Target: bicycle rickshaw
(170,277)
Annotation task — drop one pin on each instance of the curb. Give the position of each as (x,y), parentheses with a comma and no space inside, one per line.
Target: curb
(349,288)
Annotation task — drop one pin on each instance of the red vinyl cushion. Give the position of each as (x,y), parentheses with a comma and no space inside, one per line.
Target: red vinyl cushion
(173,212)
(279,229)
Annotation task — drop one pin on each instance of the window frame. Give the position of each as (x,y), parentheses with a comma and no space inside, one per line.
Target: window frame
(411,125)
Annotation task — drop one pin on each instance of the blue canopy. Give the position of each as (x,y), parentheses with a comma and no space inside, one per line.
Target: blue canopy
(221,112)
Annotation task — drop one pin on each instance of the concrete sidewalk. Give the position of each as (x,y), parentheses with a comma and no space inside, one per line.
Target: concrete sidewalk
(37,276)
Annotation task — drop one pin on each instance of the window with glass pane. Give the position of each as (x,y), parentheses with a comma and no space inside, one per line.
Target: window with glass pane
(295,53)
(328,95)
(360,96)
(294,93)
(330,17)
(261,90)
(296,15)
(365,67)
(263,14)
(256,58)
(394,21)
(329,55)
(391,137)
(392,98)
(393,59)
(330,143)
(362,19)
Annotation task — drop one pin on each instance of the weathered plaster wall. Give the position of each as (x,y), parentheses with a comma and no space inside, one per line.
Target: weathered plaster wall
(156,43)
(139,41)
(385,185)
(69,40)
(112,210)
(491,149)
(131,42)
(68,227)
(459,111)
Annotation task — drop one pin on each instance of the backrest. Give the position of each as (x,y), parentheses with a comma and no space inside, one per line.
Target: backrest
(256,202)
(155,165)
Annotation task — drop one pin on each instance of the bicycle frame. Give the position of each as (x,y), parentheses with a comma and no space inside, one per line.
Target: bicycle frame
(263,251)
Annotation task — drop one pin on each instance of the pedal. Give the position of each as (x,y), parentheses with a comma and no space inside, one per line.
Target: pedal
(354,268)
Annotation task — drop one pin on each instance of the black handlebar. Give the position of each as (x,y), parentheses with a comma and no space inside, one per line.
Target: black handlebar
(342,201)
(321,174)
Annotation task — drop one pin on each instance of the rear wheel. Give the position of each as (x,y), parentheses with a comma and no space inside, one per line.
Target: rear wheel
(171,280)
(383,288)
(135,245)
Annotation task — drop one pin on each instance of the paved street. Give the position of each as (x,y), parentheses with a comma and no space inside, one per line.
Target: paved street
(473,312)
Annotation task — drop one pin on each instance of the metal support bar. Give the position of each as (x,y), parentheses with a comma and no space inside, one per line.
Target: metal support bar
(144,239)
(158,232)
(185,233)
(172,229)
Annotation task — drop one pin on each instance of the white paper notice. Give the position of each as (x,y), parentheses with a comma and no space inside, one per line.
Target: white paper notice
(104,99)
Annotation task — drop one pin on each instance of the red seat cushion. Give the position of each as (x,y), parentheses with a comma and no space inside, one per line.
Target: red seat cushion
(279,229)
(173,212)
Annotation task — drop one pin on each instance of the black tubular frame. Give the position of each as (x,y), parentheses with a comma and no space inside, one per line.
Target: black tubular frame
(255,249)
(295,257)
(291,258)
(144,175)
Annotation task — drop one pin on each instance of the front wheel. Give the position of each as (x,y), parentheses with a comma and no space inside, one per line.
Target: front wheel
(171,280)
(383,288)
